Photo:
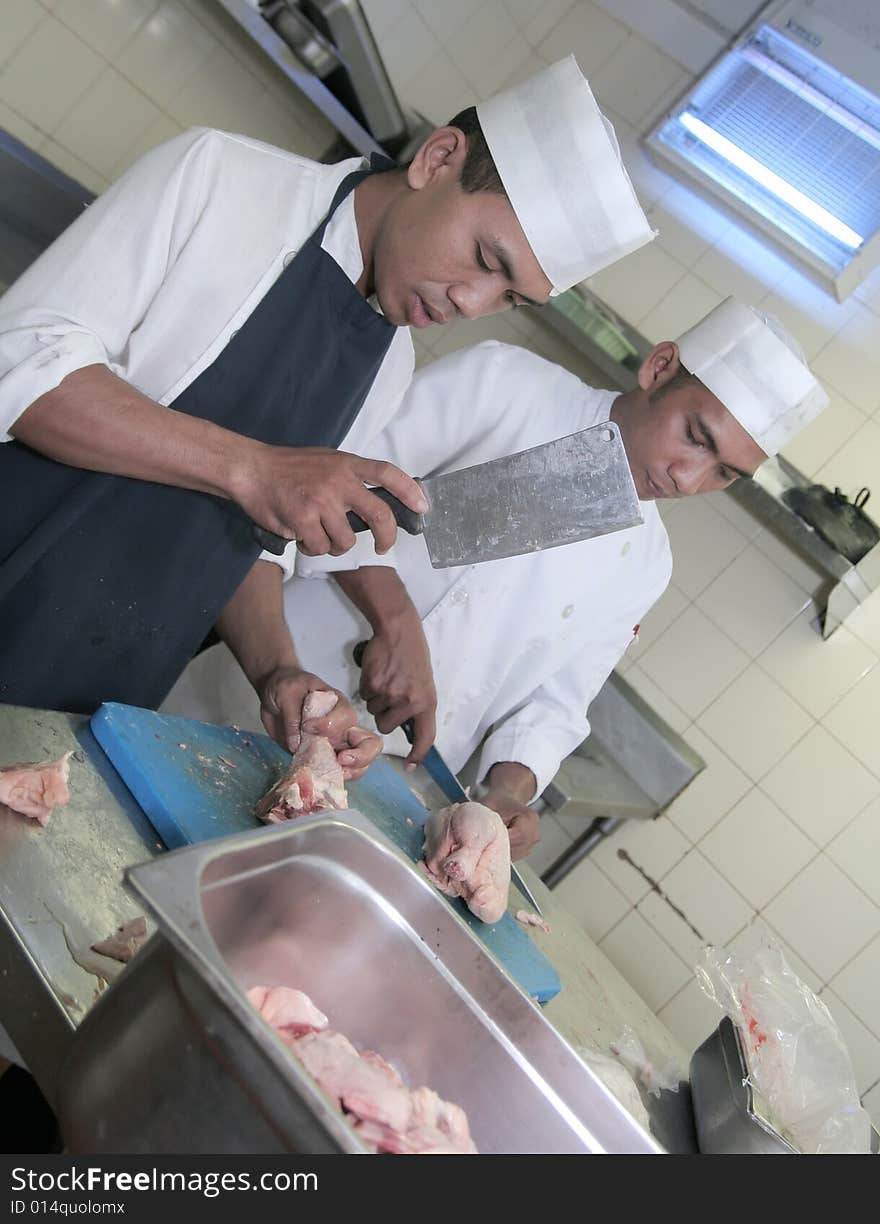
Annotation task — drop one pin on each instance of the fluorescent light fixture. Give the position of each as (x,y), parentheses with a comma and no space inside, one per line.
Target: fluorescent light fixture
(806,91)
(761,174)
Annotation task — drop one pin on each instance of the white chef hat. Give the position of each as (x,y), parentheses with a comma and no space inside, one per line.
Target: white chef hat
(558,158)
(757,371)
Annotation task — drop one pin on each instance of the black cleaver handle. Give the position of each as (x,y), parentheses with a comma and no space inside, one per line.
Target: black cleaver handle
(411,522)
(406,518)
(358,656)
(269,541)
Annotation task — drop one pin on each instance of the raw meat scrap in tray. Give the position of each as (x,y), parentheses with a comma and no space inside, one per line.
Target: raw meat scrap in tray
(290,1012)
(527,918)
(36,790)
(385,1114)
(467,854)
(364,1089)
(436,1127)
(125,941)
(314,780)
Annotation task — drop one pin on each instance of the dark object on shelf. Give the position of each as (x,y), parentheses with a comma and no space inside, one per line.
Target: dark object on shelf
(841,523)
(333,40)
(727,1117)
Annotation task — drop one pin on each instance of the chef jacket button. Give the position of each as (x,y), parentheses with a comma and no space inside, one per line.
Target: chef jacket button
(288,257)
(234,333)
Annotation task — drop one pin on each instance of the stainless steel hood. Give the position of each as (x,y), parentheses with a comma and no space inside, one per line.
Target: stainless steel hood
(327,49)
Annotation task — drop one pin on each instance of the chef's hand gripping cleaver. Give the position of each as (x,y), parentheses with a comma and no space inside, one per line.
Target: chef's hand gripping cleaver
(570,489)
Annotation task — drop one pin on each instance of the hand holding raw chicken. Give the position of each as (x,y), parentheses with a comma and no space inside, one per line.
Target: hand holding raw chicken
(467,854)
(397,681)
(511,788)
(284,695)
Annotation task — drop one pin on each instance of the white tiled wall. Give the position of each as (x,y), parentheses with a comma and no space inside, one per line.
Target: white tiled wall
(92,84)
(781,833)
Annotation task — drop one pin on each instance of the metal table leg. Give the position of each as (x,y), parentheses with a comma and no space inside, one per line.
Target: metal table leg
(579,849)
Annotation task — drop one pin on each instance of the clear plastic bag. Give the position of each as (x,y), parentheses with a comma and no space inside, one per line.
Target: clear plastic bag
(798,1062)
(632,1054)
(618,1080)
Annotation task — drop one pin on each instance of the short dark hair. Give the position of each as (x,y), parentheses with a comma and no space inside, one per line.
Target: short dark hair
(479,172)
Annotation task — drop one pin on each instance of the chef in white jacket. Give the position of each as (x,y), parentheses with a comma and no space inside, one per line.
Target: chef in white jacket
(519,647)
(189,357)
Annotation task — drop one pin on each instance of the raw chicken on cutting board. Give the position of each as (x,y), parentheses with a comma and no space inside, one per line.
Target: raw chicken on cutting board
(385,1114)
(36,790)
(527,918)
(467,854)
(314,780)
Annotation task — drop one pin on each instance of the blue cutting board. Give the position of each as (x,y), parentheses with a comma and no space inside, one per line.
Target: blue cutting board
(195,781)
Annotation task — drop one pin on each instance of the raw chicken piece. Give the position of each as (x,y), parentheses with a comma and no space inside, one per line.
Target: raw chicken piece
(290,1012)
(122,945)
(529,919)
(431,1112)
(436,1127)
(314,779)
(36,790)
(467,854)
(369,1091)
(376,1060)
(418,1141)
(364,1089)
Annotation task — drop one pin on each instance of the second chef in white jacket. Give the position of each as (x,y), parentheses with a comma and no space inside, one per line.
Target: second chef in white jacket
(519,647)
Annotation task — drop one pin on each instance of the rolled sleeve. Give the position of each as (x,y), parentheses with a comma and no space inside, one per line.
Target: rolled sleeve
(80,301)
(551,723)
(521,739)
(37,360)
(294,564)
(363,553)
(286,562)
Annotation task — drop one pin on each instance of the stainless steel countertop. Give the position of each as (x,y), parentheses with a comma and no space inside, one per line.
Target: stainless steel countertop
(61,889)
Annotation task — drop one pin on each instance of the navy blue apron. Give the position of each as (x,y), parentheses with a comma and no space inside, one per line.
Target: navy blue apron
(109,585)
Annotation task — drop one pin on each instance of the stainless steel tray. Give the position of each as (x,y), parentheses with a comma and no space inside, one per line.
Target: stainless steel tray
(728,1119)
(328,905)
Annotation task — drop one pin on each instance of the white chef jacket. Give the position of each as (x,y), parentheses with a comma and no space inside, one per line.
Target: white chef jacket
(160,271)
(522,645)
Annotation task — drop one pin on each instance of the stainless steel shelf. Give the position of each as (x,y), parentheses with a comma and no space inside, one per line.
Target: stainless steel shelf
(595,330)
(631,767)
(255,25)
(845,585)
(351,131)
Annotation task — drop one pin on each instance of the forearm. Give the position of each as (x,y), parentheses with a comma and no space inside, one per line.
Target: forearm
(253,626)
(377,591)
(97,421)
(515,780)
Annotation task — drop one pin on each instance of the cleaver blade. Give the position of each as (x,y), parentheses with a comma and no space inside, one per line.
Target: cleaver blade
(570,489)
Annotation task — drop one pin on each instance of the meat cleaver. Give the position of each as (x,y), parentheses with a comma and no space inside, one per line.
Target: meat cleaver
(569,489)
